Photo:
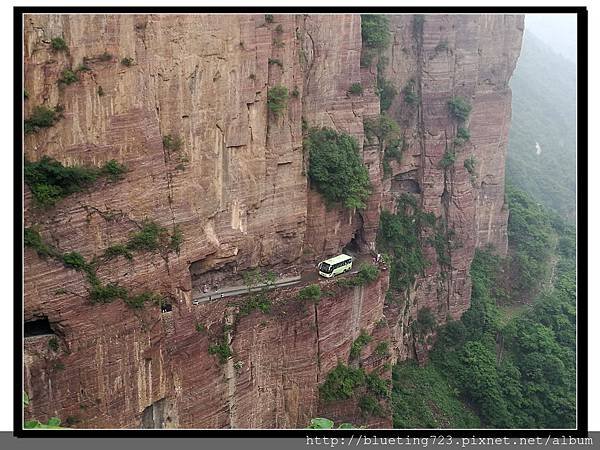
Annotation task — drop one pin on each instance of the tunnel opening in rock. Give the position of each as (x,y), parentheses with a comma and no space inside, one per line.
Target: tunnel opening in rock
(166,307)
(38,327)
(405,183)
(357,243)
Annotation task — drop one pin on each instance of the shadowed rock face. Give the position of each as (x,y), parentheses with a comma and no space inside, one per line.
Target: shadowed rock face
(237,189)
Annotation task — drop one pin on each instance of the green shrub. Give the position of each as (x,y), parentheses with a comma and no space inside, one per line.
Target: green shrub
(341,383)
(425,322)
(107,293)
(383,349)
(311,293)
(41,117)
(410,94)
(462,136)
(200,328)
(117,250)
(25,94)
(375,30)
(53,344)
(33,239)
(258,301)
(386,91)
(470,163)
(67,76)
(50,181)
(172,142)
(222,350)
(275,61)
(75,261)
(58,44)
(384,128)
(358,344)
(370,406)
(53,423)
(336,168)
(114,170)
(269,18)
(176,239)
(367,273)
(138,301)
(459,108)
(295,92)
(448,159)
(356,89)
(148,238)
(277,99)
(127,61)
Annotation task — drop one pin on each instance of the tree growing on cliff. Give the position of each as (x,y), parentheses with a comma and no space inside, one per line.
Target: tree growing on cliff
(336,169)
(459,108)
(277,99)
(375,30)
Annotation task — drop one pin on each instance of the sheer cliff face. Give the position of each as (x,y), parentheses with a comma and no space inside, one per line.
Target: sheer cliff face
(239,193)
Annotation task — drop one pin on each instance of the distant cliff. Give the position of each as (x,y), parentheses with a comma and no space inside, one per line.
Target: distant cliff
(182,102)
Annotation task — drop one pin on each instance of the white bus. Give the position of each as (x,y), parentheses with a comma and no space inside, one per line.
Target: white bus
(334,266)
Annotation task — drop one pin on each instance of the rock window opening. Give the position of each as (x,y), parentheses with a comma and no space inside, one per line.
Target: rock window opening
(38,327)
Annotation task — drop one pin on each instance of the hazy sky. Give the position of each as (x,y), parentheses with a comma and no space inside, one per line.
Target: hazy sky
(559,31)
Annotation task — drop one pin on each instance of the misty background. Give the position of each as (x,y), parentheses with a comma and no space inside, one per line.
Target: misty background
(542,141)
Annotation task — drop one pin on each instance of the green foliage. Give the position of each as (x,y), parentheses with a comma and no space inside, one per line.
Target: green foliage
(367,274)
(459,108)
(295,92)
(259,301)
(418,21)
(311,293)
(383,349)
(107,293)
(470,164)
(341,383)
(448,159)
(463,135)
(53,344)
(53,423)
(138,301)
(410,93)
(67,76)
(370,406)
(425,322)
(530,231)
(544,113)
(114,170)
(320,423)
(375,30)
(384,128)
(33,239)
(200,328)
(277,99)
(400,236)
(176,239)
(149,237)
(386,91)
(358,344)
(355,89)
(423,398)
(42,117)
(75,261)
(172,142)
(222,350)
(117,250)
(50,181)
(276,62)
(58,44)
(127,61)
(269,18)
(336,168)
